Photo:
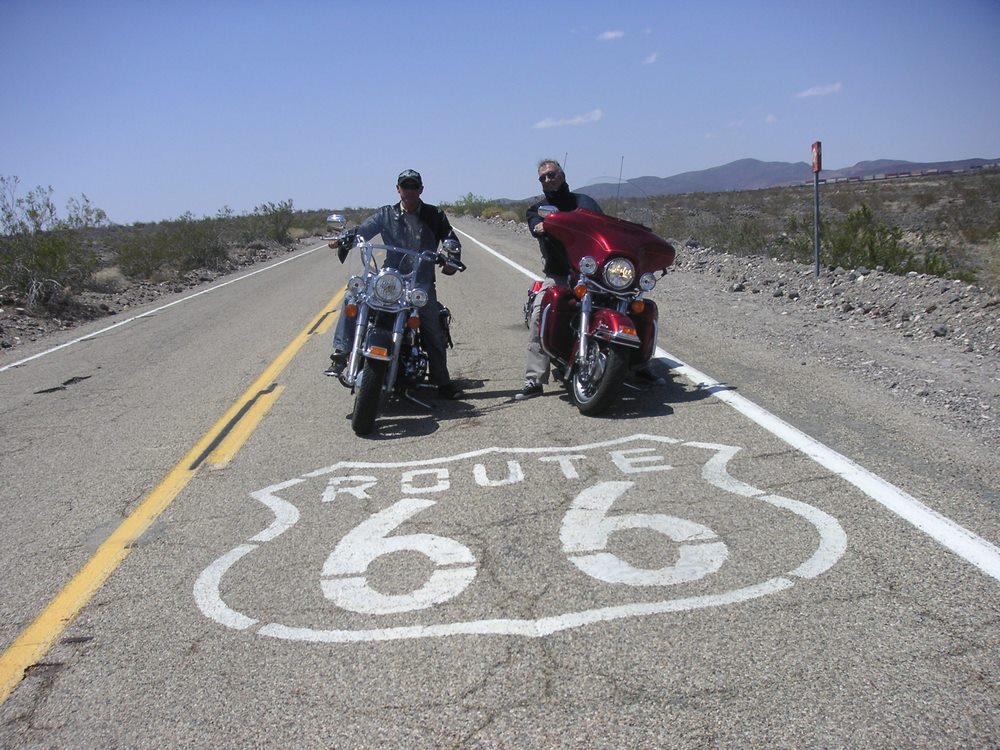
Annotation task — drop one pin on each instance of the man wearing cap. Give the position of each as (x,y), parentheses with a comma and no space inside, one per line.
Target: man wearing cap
(413,224)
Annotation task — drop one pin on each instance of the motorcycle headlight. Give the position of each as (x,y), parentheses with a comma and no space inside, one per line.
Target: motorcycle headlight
(418,298)
(388,287)
(588,265)
(646,282)
(619,273)
(356,284)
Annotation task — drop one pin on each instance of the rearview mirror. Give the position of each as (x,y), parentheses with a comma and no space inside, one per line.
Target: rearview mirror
(336,222)
(544,211)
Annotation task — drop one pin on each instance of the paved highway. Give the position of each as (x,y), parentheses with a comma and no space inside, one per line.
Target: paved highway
(199,552)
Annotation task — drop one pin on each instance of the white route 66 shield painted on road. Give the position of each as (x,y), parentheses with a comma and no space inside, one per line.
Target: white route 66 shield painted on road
(598,512)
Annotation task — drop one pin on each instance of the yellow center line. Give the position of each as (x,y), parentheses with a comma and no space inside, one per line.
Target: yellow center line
(216,448)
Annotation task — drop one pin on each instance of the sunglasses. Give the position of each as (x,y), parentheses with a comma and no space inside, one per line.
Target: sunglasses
(547,176)
(409,185)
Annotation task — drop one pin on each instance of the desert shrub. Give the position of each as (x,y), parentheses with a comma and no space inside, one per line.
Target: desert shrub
(276,220)
(172,247)
(863,241)
(43,257)
(798,241)
(107,280)
(472,205)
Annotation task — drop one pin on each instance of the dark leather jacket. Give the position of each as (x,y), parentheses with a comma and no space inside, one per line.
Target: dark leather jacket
(553,252)
(432,229)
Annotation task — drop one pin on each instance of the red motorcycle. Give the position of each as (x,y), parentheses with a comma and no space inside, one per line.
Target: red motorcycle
(602,326)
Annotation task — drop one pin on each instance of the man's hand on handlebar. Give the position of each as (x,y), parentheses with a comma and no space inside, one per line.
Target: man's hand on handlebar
(449,264)
(345,242)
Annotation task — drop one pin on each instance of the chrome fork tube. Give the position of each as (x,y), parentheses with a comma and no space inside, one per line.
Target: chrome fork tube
(360,327)
(586,307)
(397,343)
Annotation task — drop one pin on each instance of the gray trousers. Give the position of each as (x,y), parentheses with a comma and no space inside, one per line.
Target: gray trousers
(537,368)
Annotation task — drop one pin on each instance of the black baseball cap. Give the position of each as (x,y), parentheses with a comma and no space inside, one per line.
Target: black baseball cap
(410,175)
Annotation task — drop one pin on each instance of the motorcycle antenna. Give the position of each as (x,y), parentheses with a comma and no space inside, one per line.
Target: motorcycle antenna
(618,194)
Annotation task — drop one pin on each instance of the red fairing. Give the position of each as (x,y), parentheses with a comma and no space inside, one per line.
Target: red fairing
(585,232)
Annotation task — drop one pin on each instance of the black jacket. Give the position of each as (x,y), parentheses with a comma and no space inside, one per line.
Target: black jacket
(388,221)
(553,252)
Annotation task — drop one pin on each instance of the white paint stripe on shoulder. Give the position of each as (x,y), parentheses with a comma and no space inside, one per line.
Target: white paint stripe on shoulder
(504,258)
(967,545)
(961,541)
(154,311)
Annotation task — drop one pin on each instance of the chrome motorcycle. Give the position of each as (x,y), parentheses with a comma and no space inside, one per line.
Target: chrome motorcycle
(388,357)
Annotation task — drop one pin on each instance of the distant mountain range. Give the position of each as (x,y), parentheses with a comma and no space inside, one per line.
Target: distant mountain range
(751,174)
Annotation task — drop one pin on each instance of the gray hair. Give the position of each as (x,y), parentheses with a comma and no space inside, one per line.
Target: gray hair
(553,162)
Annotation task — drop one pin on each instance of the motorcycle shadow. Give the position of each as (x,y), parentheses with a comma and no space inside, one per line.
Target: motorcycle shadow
(421,414)
(641,400)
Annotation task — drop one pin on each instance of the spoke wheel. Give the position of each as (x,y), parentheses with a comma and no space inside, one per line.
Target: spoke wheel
(596,378)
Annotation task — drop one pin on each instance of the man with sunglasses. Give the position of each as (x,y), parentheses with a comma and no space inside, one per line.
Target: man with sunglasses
(413,224)
(556,269)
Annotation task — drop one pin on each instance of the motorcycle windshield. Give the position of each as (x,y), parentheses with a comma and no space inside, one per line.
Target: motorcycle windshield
(585,232)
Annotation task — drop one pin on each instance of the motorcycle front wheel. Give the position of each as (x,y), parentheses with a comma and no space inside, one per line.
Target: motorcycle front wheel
(369,396)
(596,378)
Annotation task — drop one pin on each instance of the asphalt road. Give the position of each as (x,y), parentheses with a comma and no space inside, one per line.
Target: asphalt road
(198,552)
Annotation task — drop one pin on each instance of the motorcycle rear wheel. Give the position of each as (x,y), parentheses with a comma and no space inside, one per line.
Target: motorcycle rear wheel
(369,396)
(595,380)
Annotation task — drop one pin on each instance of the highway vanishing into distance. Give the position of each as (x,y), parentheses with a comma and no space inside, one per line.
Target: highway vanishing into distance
(198,551)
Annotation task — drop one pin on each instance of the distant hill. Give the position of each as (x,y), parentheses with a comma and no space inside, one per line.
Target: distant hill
(751,174)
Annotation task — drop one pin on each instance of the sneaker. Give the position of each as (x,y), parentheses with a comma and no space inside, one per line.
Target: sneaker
(338,361)
(450,391)
(646,375)
(530,390)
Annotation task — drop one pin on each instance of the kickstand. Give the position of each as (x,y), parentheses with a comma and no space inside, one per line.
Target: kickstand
(410,397)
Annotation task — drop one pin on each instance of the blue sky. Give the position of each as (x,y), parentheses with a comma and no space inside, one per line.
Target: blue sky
(153,109)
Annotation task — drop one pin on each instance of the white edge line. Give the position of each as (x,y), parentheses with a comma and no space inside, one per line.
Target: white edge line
(967,545)
(504,258)
(148,313)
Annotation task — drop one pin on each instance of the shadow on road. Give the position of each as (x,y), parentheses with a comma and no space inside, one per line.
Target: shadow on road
(637,401)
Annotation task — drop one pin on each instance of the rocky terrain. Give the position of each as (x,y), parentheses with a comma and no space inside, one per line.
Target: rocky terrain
(933,341)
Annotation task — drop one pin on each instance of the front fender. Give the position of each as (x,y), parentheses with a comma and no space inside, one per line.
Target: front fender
(613,327)
(378,344)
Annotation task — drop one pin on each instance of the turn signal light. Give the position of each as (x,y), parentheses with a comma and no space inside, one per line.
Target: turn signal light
(638,306)
(413,322)
(580,290)
(351,310)
(629,331)
(378,351)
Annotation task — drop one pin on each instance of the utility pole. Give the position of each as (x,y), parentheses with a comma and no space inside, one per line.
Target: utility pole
(618,194)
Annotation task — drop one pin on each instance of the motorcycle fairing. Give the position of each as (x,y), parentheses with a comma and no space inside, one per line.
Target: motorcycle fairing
(584,232)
